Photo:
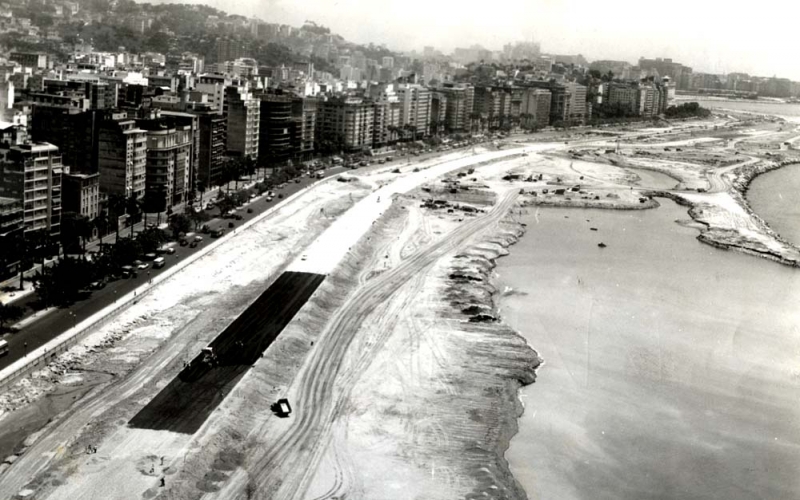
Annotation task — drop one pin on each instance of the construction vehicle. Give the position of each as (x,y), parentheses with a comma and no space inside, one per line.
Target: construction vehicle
(281,408)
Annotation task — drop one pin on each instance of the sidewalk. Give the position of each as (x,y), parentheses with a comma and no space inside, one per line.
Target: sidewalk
(16,294)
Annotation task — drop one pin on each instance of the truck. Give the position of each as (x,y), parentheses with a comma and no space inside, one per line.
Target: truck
(282,408)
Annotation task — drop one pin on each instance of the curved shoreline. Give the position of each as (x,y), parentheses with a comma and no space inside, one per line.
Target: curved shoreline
(473,280)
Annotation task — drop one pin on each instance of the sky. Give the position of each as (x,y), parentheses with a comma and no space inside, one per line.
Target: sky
(718,36)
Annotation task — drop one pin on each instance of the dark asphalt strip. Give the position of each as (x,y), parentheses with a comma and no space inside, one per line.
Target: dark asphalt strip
(185,404)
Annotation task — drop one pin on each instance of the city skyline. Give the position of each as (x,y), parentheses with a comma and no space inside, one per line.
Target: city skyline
(711,40)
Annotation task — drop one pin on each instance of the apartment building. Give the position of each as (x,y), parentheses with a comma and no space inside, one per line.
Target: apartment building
(32,173)
(276,130)
(347,121)
(304,112)
(535,108)
(243,111)
(122,156)
(170,152)
(415,108)
(459,106)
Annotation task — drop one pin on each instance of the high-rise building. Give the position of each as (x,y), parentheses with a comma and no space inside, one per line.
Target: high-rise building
(32,173)
(459,106)
(243,111)
(623,96)
(11,226)
(345,122)
(75,132)
(304,112)
(170,145)
(122,156)
(577,104)
(438,112)
(415,108)
(535,108)
(276,130)
(213,137)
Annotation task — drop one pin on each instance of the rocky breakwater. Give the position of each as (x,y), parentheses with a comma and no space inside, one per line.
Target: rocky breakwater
(496,363)
(728,222)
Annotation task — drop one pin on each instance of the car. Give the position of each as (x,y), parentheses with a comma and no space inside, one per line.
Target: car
(193,244)
(297,181)
(231,225)
(159,263)
(183,242)
(363,164)
(237,217)
(218,232)
(205,229)
(389,158)
(150,256)
(198,238)
(269,199)
(126,271)
(97,285)
(304,257)
(381,161)
(280,196)
(249,210)
(138,264)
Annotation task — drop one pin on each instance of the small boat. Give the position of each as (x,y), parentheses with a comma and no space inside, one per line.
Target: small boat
(593,229)
(602,245)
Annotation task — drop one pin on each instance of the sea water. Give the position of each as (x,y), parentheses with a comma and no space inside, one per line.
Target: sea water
(672,369)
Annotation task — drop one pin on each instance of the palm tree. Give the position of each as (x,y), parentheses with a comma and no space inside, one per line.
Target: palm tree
(134,208)
(101,223)
(201,186)
(116,206)
(83,228)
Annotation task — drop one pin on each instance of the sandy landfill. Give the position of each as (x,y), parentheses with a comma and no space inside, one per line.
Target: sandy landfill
(402,377)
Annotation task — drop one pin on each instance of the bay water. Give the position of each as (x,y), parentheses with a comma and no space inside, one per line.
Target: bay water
(672,369)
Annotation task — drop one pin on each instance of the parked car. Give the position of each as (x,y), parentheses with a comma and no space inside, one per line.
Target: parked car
(159,262)
(193,244)
(97,285)
(297,181)
(198,238)
(150,256)
(249,210)
(138,264)
(237,217)
(126,271)
(183,242)
(218,232)
(205,229)
(231,225)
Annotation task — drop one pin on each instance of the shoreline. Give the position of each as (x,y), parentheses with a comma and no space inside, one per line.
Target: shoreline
(513,401)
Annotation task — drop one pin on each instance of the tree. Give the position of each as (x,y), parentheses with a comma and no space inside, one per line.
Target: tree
(225,205)
(180,223)
(201,186)
(101,222)
(8,313)
(134,209)
(59,284)
(197,217)
(116,207)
